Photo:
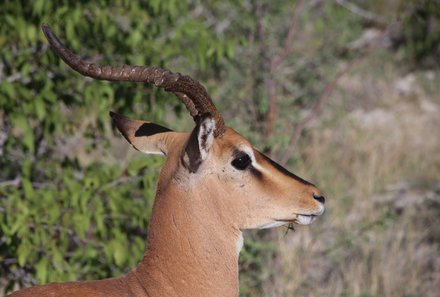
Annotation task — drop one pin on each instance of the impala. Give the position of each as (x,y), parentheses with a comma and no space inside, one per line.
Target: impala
(213,185)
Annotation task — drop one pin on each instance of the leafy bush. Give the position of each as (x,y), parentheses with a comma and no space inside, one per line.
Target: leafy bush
(73,205)
(68,209)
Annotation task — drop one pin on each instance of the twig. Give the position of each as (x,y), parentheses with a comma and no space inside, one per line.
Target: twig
(288,41)
(10,261)
(271,113)
(368,15)
(314,112)
(273,64)
(328,90)
(14,182)
(263,62)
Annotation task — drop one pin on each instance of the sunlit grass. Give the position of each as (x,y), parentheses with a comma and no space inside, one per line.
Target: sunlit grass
(379,163)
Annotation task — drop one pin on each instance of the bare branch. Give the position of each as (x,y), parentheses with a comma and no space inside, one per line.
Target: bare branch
(288,41)
(273,107)
(328,90)
(314,111)
(270,83)
(368,15)
(14,182)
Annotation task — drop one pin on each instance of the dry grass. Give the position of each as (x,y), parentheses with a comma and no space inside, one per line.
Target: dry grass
(376,152)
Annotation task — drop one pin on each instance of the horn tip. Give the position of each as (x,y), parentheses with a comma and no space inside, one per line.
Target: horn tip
(45,26)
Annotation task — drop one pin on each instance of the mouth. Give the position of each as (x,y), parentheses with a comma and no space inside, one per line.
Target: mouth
(301,219)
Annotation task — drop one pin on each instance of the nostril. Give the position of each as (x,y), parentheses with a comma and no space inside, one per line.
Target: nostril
(319,198)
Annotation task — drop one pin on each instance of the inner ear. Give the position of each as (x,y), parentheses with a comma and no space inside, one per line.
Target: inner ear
(199,143)
(205,136)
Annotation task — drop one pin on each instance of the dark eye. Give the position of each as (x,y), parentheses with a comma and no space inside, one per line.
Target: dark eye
(242,162)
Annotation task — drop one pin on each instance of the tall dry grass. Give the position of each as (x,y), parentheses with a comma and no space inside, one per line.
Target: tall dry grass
(376,152)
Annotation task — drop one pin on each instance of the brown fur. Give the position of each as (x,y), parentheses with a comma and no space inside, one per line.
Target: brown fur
(197,220)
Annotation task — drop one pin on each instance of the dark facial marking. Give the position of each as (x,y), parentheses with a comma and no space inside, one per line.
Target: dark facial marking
(149,129)
(284,170)
(255,172)
(128,127)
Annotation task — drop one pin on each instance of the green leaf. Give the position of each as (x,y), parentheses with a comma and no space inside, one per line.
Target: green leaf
(27,188)
(57,259)
(23,252)
(39,108)
(41,270)
(119,253)
(38,6)
(8,89)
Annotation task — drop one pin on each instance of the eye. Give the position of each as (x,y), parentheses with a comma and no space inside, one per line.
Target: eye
(242,162)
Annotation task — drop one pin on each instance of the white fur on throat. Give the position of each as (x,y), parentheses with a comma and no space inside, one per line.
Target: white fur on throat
(240,242)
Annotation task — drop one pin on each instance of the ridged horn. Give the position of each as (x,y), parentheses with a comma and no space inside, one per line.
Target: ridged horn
(189,91)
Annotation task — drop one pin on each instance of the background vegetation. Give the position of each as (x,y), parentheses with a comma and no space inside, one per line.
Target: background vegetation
(346,93)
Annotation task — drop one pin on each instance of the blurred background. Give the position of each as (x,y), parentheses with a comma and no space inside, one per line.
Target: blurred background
(345,93)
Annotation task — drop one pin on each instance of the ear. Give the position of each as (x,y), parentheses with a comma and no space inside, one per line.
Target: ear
(144,136)
(199,144)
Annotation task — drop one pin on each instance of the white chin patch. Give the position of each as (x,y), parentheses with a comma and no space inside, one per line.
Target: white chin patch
(300,219)
(271,225)
(304,220)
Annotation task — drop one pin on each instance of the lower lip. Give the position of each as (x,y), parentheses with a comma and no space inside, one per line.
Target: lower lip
(300,220)
(305,219)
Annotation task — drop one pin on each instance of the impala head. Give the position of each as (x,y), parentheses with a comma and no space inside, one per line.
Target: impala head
(214,161)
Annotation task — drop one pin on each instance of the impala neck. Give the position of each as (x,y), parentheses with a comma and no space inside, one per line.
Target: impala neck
(191,251)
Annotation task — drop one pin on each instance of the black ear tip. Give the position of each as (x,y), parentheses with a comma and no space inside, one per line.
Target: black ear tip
(115,116)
